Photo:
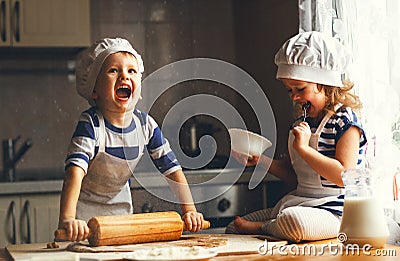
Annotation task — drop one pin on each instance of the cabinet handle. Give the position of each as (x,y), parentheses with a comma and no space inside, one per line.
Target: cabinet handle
(14,227)
(15,20)
(3,21)
(27,207)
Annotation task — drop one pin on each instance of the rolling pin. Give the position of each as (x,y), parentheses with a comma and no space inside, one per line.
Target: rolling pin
(133,228)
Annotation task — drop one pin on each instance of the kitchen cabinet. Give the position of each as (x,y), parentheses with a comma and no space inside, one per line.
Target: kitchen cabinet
(44,23)
(29,218)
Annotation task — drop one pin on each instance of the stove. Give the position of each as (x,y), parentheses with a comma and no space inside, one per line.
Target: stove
(235,200)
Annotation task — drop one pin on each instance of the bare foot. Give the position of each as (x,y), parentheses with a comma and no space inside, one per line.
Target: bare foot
(248,227)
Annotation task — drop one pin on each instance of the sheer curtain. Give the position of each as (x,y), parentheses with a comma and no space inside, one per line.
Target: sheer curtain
(371,31)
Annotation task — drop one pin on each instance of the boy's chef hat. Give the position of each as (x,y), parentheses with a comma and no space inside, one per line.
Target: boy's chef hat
(312,57)
(89,63)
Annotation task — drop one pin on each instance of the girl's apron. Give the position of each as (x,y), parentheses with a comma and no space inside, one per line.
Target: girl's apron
(105,189)
(309,191)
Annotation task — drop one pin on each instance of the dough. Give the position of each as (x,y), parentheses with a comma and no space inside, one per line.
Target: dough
(52,245)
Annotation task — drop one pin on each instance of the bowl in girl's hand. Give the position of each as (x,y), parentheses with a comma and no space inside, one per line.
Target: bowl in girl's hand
(248,143)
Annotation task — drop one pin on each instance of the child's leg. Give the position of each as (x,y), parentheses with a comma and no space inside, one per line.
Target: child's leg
(249,223)
(244,226)
(303,223)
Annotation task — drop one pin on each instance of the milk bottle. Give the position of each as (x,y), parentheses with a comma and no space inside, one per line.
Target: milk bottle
(363,220)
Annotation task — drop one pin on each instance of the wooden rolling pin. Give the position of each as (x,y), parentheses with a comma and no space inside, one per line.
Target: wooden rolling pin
(132,229)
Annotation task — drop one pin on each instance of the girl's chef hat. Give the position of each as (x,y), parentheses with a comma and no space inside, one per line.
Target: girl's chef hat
(89,63)
(312,57)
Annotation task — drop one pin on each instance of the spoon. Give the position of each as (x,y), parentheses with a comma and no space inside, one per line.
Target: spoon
(304,108)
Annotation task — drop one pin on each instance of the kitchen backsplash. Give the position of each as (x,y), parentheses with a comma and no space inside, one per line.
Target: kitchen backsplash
(38,96)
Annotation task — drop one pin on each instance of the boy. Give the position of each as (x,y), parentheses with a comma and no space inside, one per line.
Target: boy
(109,141)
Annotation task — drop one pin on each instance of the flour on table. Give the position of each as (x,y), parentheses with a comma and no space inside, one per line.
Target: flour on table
(171,253)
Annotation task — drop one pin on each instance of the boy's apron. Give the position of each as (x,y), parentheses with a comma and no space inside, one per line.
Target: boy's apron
(309,191)
(105,188)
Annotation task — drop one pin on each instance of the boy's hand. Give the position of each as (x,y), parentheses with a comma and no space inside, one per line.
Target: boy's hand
(244,159)
(77,230)
(193,221)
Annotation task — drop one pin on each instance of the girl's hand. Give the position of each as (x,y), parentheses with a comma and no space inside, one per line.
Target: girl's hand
(302,134)
(244,159)
(193,221)
(77,230)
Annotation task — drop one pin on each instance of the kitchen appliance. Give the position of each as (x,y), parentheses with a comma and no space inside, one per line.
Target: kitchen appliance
(191,132)
(233,200)
(132,229)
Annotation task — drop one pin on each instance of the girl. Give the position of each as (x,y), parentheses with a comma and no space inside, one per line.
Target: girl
(327,139)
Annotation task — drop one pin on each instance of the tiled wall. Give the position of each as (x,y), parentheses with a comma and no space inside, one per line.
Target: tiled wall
(38,99)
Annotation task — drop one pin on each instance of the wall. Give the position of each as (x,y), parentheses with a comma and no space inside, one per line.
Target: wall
(38,97)
(38,102)
(261,28)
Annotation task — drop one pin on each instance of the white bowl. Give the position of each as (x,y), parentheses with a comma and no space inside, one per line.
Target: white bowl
(248,143)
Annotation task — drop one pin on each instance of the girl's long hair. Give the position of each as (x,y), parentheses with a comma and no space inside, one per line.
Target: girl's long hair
(336,95)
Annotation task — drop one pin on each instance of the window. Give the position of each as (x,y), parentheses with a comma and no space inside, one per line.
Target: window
(370,30)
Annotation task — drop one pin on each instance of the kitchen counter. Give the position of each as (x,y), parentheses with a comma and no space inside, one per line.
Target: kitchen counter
(29,187)
(3,254)
(317,250)
(229,197)
(139,179)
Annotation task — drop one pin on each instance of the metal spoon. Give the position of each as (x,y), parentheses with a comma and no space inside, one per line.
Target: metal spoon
(304,108)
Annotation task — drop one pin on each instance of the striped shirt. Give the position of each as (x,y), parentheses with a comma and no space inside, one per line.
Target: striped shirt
(337,125)
(120,142)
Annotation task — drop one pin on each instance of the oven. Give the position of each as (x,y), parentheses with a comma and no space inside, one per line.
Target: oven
(234,200)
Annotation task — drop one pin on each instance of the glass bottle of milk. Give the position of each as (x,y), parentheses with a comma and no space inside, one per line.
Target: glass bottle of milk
(363,220)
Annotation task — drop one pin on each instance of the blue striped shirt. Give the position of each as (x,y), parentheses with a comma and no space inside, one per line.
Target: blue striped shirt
(337,125)
(120,142)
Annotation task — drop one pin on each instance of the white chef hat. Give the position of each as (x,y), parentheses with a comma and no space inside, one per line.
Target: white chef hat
(312,57)
(90,60)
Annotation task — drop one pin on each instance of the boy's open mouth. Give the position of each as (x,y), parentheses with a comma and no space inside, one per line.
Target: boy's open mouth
(123,92)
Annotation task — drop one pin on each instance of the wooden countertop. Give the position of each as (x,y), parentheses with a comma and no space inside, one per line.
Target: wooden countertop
(324,250)
(3,254)
(318,250)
